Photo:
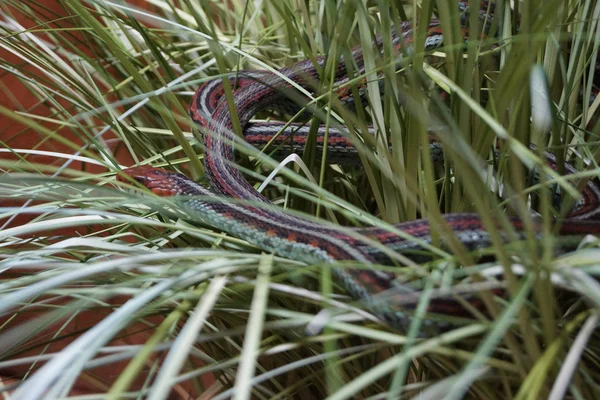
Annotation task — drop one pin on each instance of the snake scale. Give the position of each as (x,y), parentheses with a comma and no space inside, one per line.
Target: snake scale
(276,231)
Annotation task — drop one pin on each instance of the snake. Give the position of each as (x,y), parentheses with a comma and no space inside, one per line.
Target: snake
(233,205)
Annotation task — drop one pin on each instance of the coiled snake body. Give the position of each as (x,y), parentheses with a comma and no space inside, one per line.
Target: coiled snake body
(276,231)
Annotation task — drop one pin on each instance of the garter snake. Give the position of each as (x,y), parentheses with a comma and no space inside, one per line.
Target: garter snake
(279,232)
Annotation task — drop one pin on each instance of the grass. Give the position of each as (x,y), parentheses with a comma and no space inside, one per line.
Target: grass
(179,308)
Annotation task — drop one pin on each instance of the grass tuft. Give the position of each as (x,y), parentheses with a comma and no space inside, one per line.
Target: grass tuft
(103,295)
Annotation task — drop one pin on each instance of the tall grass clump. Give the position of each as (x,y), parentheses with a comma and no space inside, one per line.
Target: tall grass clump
(108,293)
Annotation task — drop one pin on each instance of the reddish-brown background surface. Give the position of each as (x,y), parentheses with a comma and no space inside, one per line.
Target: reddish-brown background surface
(16,136)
